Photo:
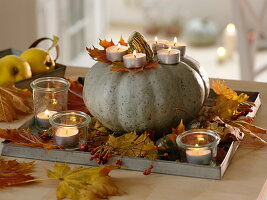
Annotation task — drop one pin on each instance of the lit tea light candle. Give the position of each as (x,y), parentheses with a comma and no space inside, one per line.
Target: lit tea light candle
(67,136)
(175,45)
(198,155)
(134,60)
(42,118)
(169,56)
(156,44)
(221,54)
(116,53)
(229,39)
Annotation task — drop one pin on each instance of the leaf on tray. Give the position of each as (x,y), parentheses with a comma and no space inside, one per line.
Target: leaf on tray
(83,183)
(14,101)
(25,138)
(14,173)
(75,97)
(138,69)
(227,101)
(179,129)
(132,145)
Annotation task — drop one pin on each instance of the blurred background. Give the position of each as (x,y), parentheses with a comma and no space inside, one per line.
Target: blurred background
(227,37)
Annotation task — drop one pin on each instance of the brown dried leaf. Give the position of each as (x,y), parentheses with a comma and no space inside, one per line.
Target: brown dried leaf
(14,101)
(14,173)
(25,138)
(75,97)
(138,69)
(179,129)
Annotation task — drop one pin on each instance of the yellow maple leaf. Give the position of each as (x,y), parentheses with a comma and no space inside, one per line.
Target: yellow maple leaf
(132,145)
(83,183)
(227,101)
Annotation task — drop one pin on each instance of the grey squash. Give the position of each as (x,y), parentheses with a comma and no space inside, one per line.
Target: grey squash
(156,98)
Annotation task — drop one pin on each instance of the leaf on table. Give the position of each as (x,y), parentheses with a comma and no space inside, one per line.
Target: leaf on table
(83,183)
(75,97)
(122,42)
(138,69)
(25,138)
(132,145)
(14,101)
(179,129)
(14,173)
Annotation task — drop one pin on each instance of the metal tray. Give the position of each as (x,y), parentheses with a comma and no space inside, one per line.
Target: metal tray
(136,164)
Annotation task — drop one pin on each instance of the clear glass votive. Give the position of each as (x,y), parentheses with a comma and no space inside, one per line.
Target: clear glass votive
(50,95)
(198,146)
(70,128)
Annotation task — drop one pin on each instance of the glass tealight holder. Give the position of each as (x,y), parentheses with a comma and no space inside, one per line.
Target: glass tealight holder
(69,128)
(50,95)
(198,146)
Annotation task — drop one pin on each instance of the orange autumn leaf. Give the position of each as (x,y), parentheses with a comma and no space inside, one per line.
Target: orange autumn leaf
(14,101)
(25,138)
(75,97)
(179,129)
(138,69)
(98,55)
(14,173)
(220,88)
(122,42)
(105,44)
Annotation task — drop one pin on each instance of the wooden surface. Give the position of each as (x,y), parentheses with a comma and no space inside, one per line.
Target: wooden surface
(243,180)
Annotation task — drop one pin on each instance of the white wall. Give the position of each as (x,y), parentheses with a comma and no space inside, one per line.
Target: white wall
(135,11)
(17,23)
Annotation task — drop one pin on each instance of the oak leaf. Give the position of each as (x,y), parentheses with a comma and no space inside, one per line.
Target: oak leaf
(25,138)
(14,101)
(83,183)
(75,97)
(14,173)
(132,145)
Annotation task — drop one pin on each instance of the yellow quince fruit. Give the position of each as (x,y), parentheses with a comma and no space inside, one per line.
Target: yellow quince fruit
(39,60)
(14,68)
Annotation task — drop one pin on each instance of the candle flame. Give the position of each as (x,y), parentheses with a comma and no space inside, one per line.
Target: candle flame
(156,40)
(169,49)
(119,46)
(175,41)
(221,51)
(230,28)
(134,53)
(196,145)
(46,112)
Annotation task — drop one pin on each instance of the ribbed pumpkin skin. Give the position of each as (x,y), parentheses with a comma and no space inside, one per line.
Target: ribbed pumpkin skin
(152,99)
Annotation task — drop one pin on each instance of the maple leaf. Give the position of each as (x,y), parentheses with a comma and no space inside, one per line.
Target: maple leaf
(14,173)
(132,145)
(25,138)
(179,129)
(105,44)
(122,42)
(227,101)
(83,183)
(14,101)
(98,55)
(75,97)
(138,69)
